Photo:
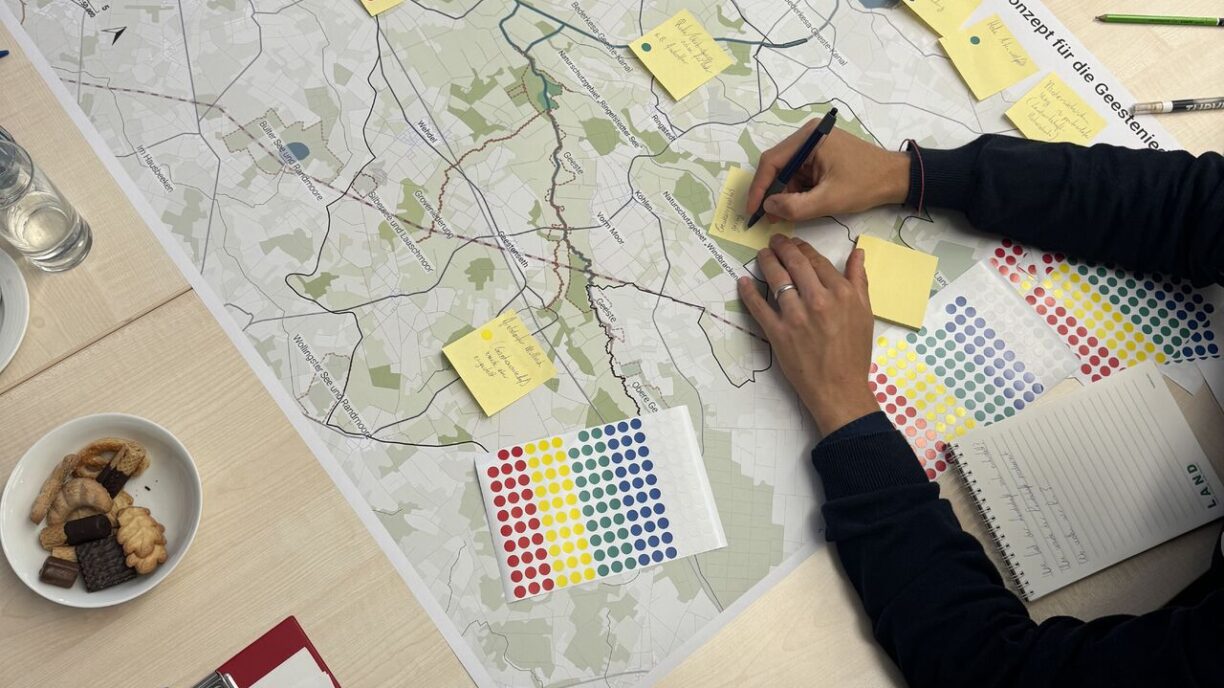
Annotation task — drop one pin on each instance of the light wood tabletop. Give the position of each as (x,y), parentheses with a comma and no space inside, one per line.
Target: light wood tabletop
(124,332)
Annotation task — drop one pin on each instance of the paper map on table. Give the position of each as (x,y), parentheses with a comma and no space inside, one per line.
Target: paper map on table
(358,192)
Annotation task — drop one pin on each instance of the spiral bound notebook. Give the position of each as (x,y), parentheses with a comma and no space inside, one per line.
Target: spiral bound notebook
(1087,481)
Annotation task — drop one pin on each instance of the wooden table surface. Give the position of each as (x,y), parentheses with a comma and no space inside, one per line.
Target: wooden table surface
(124,332)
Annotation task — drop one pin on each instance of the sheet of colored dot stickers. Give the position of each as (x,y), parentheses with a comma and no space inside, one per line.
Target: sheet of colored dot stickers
(1109,318)
(599,502)
(982,355)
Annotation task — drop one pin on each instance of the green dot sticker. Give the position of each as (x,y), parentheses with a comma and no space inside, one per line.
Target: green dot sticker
(645,47)
(974,40)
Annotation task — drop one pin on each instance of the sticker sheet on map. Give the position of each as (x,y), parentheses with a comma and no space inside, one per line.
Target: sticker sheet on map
(980,356)
(600,502)
(1109,318)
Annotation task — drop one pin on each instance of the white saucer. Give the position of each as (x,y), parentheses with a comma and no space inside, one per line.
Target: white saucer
(14,308)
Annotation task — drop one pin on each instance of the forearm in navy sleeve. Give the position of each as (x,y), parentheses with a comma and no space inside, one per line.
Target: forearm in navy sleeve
(1160,211)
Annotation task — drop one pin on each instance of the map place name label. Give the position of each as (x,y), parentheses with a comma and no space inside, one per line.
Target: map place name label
(604,308)
(607,224)
(433,214)
(612,52)
(149,161)
(812,29)
(701,236)
(599,100)
(335,391)
(426,131)
(401,232)
(640,391)
(289,160)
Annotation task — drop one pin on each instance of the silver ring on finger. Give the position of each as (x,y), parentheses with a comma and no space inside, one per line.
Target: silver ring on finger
(782,290)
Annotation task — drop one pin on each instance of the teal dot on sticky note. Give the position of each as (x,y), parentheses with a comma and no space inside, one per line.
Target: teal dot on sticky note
(645,47)
(974,40)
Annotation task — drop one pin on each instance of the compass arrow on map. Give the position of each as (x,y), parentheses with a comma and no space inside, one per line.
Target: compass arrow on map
(116,33)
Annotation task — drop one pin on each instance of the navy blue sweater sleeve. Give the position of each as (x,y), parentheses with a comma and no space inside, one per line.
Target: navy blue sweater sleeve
(940,609)
(1152,211)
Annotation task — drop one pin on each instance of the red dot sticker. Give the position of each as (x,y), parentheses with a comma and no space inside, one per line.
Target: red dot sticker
(528,494)
(499,501)
(530,572)
(506,530)
(545,569)
(524,542)
(503,455)
(506,469)
(519,591)
(930,474)
(509,546)
(537,539)
(534,587)
(516,512)
(520,465)
(533,523)
(517,451)
(528,557)
(547,584)
(495,486)
(516,575)
(940,465)
(519,527)
(492,471)
(900,420)
(513,497)
(529,508)
(502,515)
(891,389)
(523,480)
(540,554)
(512,560)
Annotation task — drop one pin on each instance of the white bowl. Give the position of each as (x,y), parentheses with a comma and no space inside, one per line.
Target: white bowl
(169,488)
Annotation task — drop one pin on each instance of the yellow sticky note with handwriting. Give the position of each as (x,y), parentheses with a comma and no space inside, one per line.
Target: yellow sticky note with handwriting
(988,57)
(681,54)
(898,280)
(378,6)
(1053,112)
(500,362)
(943,16)
(731,223)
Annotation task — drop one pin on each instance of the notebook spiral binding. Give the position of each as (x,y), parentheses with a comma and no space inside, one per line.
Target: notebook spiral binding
(1014,572)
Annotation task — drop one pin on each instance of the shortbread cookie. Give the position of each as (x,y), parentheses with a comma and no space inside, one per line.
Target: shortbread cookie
(143,539)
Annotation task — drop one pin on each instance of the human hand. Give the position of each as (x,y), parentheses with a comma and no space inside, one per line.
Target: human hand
(843,175)
(820,331)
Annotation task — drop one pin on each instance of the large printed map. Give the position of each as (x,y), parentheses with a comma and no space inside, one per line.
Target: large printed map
(360,192)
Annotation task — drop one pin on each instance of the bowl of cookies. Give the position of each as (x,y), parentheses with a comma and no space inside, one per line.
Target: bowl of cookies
(100,510)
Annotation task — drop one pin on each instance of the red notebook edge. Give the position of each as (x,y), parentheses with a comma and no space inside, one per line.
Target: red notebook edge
(268,652)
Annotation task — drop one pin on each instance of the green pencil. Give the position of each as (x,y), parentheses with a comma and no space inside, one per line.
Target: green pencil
(1155,19)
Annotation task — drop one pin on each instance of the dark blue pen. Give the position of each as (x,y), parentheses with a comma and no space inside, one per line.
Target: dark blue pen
(779,184)
(3,53)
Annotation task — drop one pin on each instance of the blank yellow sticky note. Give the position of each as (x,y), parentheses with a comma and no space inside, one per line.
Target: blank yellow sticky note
(988,57)
(377,6)
(731,223)
(898,280)
(681,54)
(1054,112)
(945,17)
(500,362)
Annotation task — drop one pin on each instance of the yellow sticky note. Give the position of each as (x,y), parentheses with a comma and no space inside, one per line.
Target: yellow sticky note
(681,54)
(898,280)
(377,6)
(988,57)
(731,223)
(500,362)
(945,17)
(1052,111)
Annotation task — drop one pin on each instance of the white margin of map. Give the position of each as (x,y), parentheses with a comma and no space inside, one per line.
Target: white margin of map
(473,664)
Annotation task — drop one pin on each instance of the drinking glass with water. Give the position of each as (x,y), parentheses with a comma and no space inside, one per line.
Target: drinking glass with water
(35,218)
